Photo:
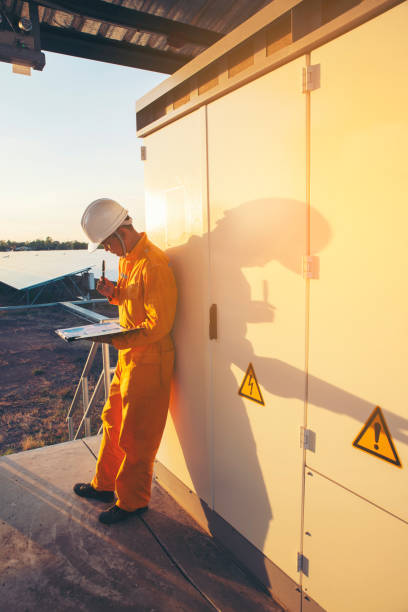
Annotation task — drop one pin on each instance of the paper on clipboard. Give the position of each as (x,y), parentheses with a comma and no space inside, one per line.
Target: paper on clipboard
(87,332)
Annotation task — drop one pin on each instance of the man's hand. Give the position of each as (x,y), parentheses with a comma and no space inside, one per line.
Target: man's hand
(105,287)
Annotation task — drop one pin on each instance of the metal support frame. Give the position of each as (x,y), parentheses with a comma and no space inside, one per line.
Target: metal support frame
(37,295)
(85,404)
(85,372)
(71,279)
(82,390)
(64,283)
(49,304)
(104,379)
(87,407)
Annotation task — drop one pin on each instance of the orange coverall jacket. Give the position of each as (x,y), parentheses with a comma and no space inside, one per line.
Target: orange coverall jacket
(135,413)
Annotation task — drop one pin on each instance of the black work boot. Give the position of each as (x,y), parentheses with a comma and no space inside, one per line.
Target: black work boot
(85,489)
(116,514)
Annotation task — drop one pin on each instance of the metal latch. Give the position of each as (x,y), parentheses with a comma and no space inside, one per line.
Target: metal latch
(311,266)
(303,564)
(308,439)
(311,78)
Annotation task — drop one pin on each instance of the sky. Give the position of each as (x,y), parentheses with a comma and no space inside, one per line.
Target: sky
(68,136)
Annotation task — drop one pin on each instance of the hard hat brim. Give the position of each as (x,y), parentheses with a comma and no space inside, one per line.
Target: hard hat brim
(92,246)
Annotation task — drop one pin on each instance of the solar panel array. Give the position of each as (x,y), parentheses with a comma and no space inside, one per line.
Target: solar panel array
(28,269)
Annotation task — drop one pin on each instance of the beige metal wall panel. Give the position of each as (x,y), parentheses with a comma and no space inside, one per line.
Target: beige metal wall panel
(358,321)
(176,220)
(256,149)
(356,552)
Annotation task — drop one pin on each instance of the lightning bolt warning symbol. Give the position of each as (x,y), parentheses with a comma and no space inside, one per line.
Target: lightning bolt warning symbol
(250,387)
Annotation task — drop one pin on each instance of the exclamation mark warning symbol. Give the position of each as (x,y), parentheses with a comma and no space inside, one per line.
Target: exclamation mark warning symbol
(377,431)
(375,438)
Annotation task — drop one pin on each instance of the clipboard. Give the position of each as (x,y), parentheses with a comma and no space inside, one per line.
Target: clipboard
(87,332)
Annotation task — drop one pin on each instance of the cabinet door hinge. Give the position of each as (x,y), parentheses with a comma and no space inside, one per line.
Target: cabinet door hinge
(311,266)
(307,439)
(311,78)
(143,153)
(303,564)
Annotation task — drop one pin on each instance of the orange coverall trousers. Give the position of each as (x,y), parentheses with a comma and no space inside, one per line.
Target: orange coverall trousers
(133,421)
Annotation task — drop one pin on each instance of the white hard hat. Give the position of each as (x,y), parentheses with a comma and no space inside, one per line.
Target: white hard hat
(100,219)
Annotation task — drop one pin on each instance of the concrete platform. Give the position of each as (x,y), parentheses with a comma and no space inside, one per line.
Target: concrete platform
(54,553)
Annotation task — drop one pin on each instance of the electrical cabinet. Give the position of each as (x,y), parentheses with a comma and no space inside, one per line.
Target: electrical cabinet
(238,192)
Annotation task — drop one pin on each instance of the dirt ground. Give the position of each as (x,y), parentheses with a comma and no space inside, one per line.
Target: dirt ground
(39,375)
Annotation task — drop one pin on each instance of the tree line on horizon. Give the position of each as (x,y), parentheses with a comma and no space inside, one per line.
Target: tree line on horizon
(40,244)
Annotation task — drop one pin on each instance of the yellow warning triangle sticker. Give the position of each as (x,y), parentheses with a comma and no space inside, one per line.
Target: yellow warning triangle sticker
(375,438)
(250,388)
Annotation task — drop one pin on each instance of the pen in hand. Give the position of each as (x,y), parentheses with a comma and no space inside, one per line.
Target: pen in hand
(105,286)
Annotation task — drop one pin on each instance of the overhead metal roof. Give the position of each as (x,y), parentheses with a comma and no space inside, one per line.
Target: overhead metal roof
(29,269)
(158,35)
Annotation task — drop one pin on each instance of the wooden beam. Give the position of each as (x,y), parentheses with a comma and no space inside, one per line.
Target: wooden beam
(22,55)
(129,18)
(88,46)
(34,17)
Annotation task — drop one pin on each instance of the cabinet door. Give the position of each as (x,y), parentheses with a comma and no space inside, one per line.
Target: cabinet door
(256,157)
(358,323)
(356,552)
(357,509)
(176,220)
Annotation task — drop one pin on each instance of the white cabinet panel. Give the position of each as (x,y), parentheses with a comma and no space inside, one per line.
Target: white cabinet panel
(356,551)
(359,323)
(176,220)
(256,152)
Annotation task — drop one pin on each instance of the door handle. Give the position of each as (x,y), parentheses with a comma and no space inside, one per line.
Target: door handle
(213,322)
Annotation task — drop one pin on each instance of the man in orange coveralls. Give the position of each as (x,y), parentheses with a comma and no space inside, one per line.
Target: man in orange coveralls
(135,414)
